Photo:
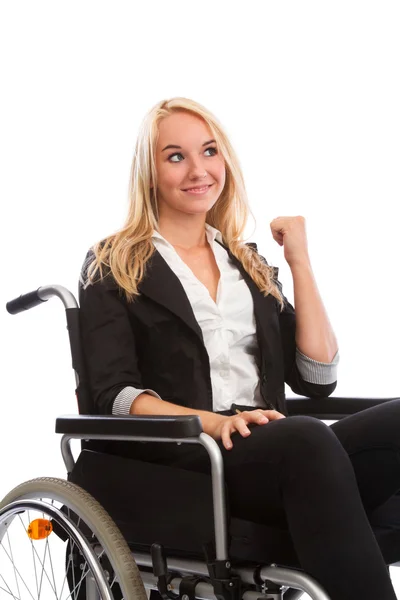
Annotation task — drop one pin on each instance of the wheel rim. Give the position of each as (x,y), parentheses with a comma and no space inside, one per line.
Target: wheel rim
(61,565)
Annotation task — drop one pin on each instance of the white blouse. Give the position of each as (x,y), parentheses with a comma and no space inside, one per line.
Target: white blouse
(229,333)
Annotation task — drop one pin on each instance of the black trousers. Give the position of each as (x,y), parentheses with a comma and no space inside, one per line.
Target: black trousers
(325,484)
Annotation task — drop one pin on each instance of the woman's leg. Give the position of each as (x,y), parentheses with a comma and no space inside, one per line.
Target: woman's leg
(296,471)
(297,463)
(371,438)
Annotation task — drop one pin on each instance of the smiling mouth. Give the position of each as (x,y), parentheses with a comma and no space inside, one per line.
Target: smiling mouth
(198,190)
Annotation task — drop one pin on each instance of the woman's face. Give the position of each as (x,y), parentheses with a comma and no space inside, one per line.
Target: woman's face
(187,158)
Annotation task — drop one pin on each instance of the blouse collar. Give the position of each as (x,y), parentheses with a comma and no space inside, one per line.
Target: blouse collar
(211,232)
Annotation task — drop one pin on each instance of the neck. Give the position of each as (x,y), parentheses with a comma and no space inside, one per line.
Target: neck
(186,238)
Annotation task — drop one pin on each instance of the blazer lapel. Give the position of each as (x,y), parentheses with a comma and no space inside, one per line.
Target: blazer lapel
(267,325)
(163,286)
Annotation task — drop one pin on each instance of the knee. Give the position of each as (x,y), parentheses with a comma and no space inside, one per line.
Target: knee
(310,435)
(303,426)
(386,411)
(378,424)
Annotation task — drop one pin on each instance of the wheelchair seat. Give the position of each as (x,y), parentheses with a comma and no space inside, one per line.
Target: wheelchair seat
(174,506)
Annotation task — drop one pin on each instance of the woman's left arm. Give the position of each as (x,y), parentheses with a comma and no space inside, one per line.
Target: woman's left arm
(315,337)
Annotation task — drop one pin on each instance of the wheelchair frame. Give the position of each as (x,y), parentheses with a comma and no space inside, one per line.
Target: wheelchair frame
(217,578)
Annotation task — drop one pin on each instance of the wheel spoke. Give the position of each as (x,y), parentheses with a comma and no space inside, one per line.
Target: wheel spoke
(77,587)
(41,576)
(44,572)
(42,564)
(69,563)
(8,591)
(51,567)
(33,549)
(12,561)
(17,573)
(73,572)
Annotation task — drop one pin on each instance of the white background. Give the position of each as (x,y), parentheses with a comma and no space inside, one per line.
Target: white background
(309,94)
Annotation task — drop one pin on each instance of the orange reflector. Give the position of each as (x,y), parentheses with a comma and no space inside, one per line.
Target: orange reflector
(39,529)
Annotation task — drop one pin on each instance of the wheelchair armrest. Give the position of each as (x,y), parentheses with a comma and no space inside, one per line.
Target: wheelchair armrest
(152,426)
(331,408)
(164,429)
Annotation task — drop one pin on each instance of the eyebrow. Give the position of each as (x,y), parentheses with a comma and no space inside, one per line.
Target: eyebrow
(180,147)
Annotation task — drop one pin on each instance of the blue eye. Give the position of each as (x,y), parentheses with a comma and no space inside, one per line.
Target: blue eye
(214,152)
(176,154)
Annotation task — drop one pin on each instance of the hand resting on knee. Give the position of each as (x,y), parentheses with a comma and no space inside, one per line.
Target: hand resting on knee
(219,427)
(240,421)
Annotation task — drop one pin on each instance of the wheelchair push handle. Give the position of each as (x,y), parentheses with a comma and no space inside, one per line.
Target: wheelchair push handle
(42,294)
(24,302)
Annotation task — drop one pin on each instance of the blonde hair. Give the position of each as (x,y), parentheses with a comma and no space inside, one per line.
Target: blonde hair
(125,253)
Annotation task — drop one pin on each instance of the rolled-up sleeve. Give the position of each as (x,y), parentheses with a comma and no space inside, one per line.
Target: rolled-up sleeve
(314,371)
(123,401)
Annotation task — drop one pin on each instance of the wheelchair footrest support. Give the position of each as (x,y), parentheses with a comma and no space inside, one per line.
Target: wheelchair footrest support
(269,589)
(160,571)
(226,585)
(187,587)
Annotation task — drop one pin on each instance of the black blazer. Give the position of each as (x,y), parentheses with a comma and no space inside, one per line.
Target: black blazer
(155,342)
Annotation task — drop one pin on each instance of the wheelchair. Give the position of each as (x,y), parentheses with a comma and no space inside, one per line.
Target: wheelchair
(119,527)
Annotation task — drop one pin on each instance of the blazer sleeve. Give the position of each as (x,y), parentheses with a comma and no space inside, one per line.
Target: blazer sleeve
(293,377)
(107,341)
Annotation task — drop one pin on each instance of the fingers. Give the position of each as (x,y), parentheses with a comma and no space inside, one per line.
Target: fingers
(226,436)
(235,423)
(273,415)
(260,417)
(239,423)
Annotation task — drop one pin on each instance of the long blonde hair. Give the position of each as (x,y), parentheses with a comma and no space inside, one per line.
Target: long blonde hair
(125,253)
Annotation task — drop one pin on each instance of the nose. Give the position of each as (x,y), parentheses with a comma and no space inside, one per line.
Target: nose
(197,170)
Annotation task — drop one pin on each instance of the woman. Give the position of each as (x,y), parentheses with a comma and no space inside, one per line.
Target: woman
(180,316)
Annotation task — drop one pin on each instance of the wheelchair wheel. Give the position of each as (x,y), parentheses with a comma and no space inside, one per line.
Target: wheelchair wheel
(57,541)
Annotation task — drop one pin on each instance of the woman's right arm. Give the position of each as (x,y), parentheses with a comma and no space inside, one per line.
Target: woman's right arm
(217,426)
(145,404)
